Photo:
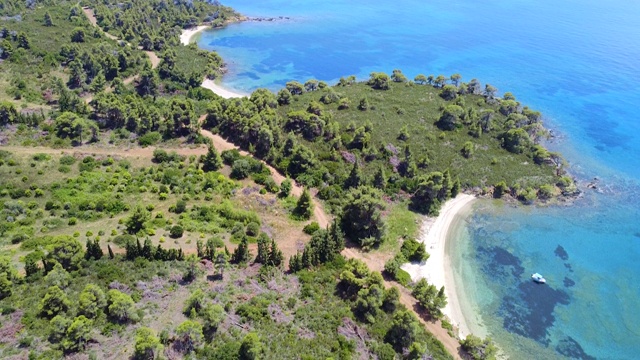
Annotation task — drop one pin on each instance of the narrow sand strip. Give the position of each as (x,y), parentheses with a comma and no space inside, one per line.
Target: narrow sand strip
(221,91)
(185,37)
(437,268)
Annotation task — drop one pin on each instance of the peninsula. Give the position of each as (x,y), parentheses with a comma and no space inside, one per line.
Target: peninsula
(149,212)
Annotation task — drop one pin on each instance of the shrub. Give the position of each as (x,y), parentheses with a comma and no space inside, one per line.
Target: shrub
(253,229)
(176,231)
(67,160)
(240,169)
(150,138)
(311,228)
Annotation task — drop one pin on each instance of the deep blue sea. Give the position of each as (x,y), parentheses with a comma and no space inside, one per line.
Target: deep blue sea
(578,63)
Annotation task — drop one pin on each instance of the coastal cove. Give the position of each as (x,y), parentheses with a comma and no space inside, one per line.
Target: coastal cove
(589,252)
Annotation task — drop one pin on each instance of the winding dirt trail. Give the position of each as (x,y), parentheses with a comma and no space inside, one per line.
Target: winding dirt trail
(153,57)
(222,144)
(375,262)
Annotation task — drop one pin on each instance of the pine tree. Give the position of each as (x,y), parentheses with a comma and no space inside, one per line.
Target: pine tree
(263,249)
(199,249)
(23,41)
(275,255)
(355,178)
(304,206)
(48,21)
(241,254)
(380,179)
(212,160)
(98,82)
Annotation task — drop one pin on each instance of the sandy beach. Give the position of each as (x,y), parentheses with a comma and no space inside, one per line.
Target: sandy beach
(221,91)
(437,268)
(185,37)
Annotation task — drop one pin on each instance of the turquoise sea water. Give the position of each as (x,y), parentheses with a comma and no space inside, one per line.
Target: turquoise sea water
(577,62)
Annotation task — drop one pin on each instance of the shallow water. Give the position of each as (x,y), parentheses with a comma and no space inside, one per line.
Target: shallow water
(577,62)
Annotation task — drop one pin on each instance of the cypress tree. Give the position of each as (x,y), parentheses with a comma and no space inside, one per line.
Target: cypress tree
(263,249)
(241,254)
(275,255)
(380,179)
(304,206)
(355,178)
(111,255)
(212,160)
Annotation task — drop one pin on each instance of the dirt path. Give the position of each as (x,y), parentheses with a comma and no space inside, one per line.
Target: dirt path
(222,144)
(155,60)
(135,152)
(92,18)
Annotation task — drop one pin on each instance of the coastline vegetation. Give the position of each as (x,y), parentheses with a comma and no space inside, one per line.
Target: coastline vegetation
(102,248)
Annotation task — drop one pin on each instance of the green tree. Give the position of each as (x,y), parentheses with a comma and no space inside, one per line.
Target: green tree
(455,79)
(212,160)
(251,348)
(31,261)
(23,41)
(479,349)
(467,149)
(516,141)
(195,302)
(148,346)
(212,316)
(362,216)
(8,113)
(294,88)
(190,335)
(7,49)
(449,92)
(431,191)
(379,80)
(499,189)
(65,250)
(78,334)
(420,79)
(380,179)
(136,222)
(98,82)
(55,301)
(398,76)
(48,21)
(285,188)
(356,178)
(440,81)
(91,301)
(304,206)
(284,97)
(404,331)
(121,306)
(450,117)
(78,35)
(148,84)
(263,248)
(6,286)
(241,255)
(430,298)
(58,276)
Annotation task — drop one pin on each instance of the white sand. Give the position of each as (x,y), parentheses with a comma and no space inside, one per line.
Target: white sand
(221,91)
(437,269)
(185,37)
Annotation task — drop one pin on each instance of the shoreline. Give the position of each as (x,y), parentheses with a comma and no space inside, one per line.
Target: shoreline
(220,90)
(188,34)
(185,39)
(437,269)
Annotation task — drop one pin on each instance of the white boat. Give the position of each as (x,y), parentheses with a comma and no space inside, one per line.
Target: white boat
(538,278)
